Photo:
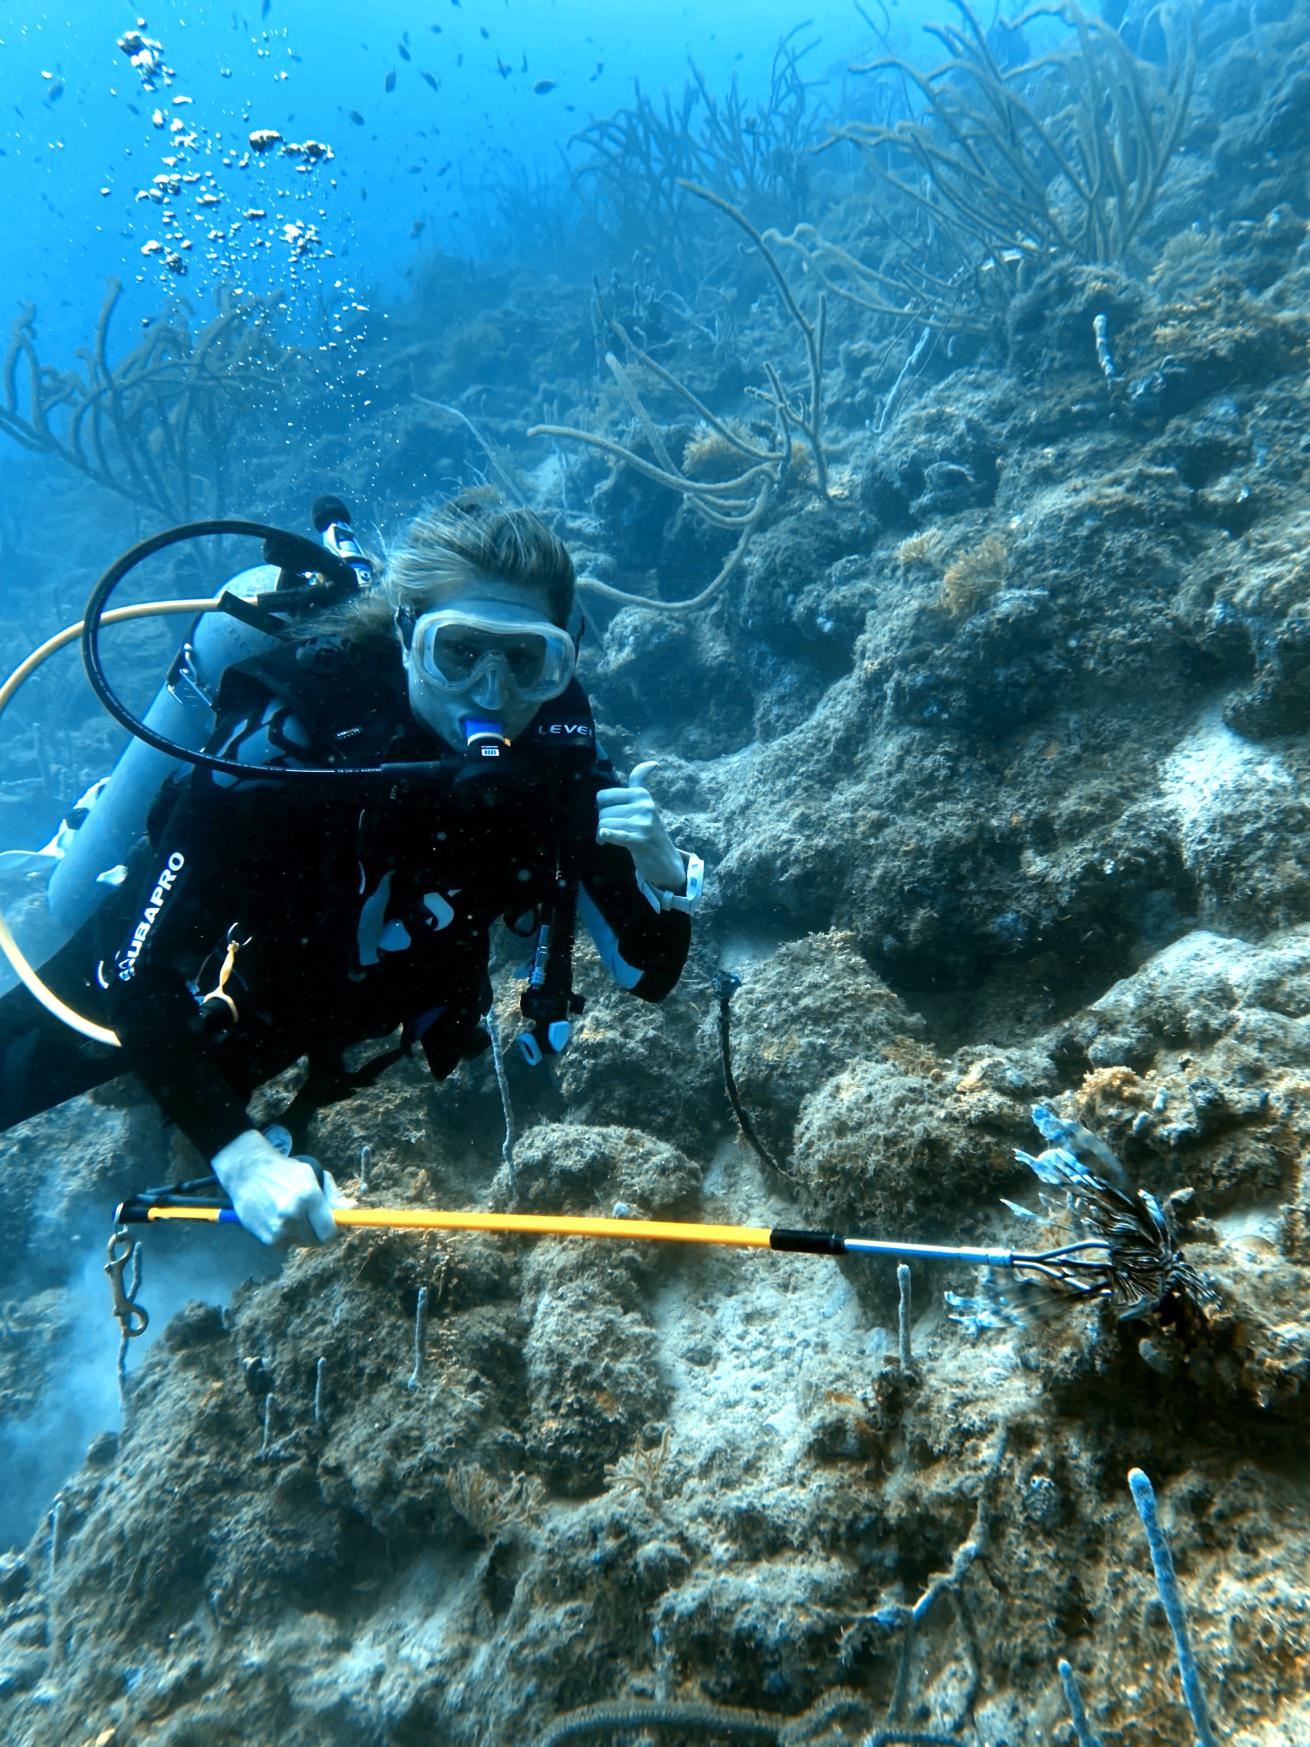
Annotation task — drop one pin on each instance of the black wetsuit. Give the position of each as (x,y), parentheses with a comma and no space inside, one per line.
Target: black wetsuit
(356,906)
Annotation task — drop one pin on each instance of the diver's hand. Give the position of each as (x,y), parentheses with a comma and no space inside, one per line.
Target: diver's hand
(630,817)
(277,1199)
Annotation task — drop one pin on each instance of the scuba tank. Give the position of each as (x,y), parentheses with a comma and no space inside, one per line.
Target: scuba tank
(95,840)
(182,710)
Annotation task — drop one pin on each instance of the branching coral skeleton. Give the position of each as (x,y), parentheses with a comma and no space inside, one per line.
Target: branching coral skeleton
(742,501)
(1010,168)
(144,424)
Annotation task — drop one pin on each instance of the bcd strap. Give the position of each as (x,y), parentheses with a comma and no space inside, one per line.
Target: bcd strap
(349,696)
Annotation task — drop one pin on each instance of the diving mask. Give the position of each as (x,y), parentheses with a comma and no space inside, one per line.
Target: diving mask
(457,650)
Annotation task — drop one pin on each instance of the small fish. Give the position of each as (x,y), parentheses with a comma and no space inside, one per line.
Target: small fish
(134,109)
(502,69)
(542,86)
(459,58)
(389,83)
(416,229)
(524,67)
(363,194)
(600,68)
(266,7)
(355,116)
(442,171)
(403,52)
(415,170)
(55,92)
(430,79)
(484,33)
(436,29)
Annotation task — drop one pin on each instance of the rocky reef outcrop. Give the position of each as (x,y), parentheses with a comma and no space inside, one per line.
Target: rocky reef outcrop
(999,756)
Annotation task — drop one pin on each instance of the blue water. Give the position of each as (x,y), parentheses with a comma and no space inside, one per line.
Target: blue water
(417,171)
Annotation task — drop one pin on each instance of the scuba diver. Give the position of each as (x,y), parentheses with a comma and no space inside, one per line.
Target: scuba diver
(267,916)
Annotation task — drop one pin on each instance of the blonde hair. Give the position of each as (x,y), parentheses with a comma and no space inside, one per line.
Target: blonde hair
(445,550)
(472,538)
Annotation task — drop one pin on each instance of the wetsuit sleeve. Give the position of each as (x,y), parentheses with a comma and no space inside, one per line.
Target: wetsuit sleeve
(644,949)
(206,863)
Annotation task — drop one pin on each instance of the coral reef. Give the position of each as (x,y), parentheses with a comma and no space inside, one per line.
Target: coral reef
(998,752)
(635,164)
(157,425)
(1003,169)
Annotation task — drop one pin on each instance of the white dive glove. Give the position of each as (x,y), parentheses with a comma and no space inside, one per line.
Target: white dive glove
(630,817)
(277,1199)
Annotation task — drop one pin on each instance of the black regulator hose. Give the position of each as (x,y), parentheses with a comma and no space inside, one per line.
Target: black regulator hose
(725,984)
(291,552)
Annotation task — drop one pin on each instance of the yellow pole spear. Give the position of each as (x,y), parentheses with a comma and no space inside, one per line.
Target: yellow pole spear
(152,1208)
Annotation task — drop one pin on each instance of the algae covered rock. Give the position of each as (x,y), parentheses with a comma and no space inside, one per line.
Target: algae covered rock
(811,1009)
(642,1066)
(589,1358)
(574,1168)
(879,1150)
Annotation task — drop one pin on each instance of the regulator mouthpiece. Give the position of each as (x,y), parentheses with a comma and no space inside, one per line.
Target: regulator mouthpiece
(484,737)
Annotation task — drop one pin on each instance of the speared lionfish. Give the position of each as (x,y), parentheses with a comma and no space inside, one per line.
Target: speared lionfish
(1134,1258)
(1127,1251)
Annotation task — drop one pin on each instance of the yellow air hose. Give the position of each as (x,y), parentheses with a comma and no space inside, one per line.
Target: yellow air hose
(23,969)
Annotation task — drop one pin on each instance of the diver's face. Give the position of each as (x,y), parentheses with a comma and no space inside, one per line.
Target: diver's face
(444,702)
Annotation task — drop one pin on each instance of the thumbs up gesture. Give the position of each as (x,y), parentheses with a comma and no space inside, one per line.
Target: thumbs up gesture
(630,818)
